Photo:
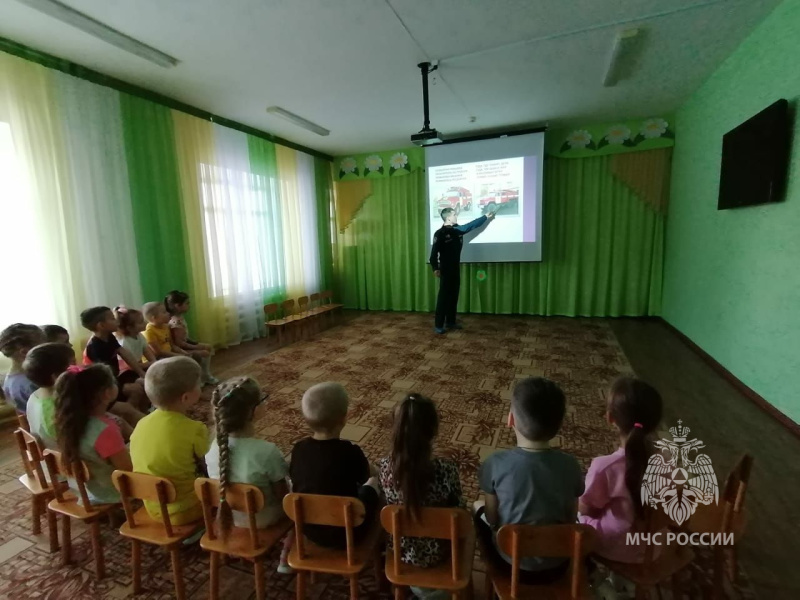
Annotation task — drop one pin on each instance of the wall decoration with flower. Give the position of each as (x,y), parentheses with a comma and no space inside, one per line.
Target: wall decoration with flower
(379,164)
(615,138)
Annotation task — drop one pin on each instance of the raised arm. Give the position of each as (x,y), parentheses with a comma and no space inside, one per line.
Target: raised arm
(474,224)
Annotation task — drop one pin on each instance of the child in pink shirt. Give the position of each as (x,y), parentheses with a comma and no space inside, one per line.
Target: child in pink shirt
(611,503)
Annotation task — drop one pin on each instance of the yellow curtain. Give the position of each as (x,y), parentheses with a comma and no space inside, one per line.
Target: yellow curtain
(38,260)
(349,198)
(290,218)
(194,145)
(647,174)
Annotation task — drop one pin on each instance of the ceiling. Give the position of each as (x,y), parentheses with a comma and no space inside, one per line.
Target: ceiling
(350,65)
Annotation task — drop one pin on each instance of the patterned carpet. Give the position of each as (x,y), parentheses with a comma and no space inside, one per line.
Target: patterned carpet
(379,358)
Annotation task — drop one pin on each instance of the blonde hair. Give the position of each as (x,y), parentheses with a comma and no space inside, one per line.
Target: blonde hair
(150,309)
(325,406)
(234,402)
(168,379)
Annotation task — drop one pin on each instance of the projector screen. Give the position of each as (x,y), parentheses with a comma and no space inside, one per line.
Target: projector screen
(502,175)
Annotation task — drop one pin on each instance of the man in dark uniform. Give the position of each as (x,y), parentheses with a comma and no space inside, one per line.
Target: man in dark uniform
(446,263)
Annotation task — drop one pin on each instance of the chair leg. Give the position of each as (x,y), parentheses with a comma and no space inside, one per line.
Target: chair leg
(136,566)
(36,514)
(300,585)
(259,575)
(489,587)
(66,541)
(354,587)
(213,584)
(52,529)
(732,565)
(398,592)
(97,550)
(177,573)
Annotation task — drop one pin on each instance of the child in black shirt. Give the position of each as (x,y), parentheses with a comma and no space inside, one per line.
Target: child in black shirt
(325,464)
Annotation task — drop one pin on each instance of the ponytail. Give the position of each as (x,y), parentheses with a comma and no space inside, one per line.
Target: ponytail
(415,425)
(234,403)
(635,407)
(126,317)
(76,393)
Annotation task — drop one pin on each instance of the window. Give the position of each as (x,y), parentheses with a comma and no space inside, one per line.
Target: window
(242,231)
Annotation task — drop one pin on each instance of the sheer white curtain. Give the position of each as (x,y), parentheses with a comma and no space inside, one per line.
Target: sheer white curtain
(92,130)
(309,236)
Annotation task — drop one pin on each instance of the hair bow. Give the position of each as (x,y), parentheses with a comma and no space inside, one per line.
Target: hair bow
(74,369)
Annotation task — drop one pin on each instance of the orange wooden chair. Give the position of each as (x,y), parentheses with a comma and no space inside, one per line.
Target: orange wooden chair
(249,543)
(66,504)
(518,541)
(272,320)
(289,319)
(314,314)
(727,518)
(22,418)
(452,524)
(654,570)
(141,527)
(303,315)
(336,511)
(40,488)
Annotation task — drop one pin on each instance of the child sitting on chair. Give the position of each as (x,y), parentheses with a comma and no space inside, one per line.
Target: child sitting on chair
(42,366)
(15,342)
(56,333)
(177,305)
(532,484)
(325,464)
(84,431)
(131,324)
(167,443)
(237,455)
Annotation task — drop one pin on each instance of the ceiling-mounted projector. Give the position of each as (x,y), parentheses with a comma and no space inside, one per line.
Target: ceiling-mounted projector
(426,136)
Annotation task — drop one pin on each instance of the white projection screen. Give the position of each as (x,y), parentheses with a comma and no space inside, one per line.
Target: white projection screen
(503,175)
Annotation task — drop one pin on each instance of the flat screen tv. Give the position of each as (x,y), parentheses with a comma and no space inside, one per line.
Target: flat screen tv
(755,159)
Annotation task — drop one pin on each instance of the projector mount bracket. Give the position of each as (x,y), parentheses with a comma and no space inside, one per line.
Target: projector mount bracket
(426,69)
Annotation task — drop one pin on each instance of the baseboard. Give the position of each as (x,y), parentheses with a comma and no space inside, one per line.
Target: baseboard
(758,400)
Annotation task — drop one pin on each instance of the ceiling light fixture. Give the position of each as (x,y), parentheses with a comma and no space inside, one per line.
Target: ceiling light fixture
(624,45)
(70,16)
(298,120)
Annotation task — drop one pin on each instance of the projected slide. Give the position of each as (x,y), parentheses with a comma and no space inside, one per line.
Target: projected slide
(474,189)
(501,175)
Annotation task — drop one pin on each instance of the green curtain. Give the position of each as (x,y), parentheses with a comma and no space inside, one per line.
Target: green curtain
(156,198)
(263,163)
(602,252)
(323,187)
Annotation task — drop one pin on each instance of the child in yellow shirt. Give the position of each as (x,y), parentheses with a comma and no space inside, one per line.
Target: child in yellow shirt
(157,333)
(167,443)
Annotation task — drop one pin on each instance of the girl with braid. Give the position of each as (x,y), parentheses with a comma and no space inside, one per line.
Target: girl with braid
(84,431)
(237,455)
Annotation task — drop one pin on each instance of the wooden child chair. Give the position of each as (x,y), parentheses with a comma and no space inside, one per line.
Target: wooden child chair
(654,570)
(66,504)
(141,527)
(249,543)
(518,541)
(289,320)
(452,524)
(272,321)
(35,480)
(726,518)
(336,511)
(304,317)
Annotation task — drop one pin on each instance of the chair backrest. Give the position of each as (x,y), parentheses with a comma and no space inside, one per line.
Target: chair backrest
(452,524)
(78,470)
(23,422)
(31,456)
(239,496)
(336,511)
(314,299)
(735,491)
(326,296)
(302,303)
(287,306)
(270,309)
(138,486)
(572,541)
